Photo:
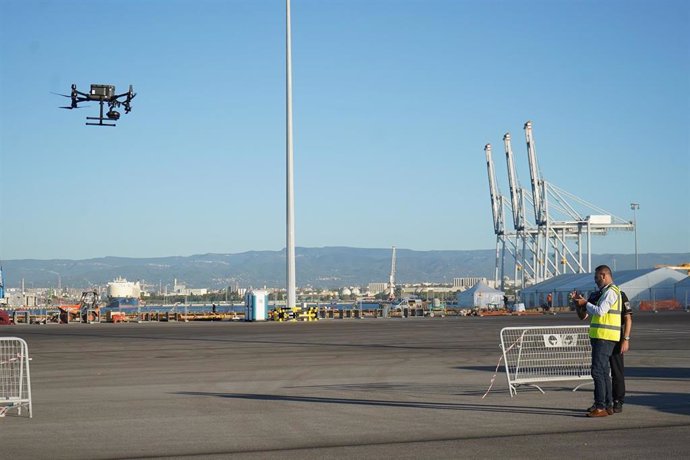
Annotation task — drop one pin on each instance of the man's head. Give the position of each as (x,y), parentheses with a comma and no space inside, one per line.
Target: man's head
(603,276)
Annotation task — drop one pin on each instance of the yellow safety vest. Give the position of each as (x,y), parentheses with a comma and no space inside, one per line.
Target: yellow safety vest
(608,326)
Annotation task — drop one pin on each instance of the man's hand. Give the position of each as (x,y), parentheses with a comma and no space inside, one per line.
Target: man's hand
(580,305)
(625,346)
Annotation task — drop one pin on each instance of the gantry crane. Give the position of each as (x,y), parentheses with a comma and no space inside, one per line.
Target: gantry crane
(541,248)
(523,235)
(497,211)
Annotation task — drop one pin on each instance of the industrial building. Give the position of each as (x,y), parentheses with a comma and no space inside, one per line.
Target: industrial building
(649,284)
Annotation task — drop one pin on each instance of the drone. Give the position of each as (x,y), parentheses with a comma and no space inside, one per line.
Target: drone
(103,94)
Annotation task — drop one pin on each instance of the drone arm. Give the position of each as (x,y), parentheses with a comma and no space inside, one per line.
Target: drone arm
(126,103)
(130,94)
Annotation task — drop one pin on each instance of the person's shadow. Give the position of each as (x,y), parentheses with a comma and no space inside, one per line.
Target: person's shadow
(674,403)
(479,406)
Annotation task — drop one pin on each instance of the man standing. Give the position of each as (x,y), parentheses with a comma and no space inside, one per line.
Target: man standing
(617,363)
(604,334)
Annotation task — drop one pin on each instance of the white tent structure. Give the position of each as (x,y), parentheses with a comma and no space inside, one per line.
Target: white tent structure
(649,284)
(682,292)
(480,295)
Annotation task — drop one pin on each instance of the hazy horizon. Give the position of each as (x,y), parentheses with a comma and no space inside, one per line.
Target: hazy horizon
(320,247)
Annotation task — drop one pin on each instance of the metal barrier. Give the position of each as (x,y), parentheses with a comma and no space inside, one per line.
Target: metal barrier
(309,314)
(15,379)
(546,354)
(21,317)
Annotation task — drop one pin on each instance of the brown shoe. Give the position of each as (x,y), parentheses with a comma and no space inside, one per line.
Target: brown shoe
(597,413)
(609,410)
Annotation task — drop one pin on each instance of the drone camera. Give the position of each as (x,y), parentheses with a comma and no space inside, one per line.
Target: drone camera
(113,114)
(102,91)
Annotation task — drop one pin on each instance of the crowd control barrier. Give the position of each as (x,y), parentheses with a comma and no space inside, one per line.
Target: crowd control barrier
(535,355)
(15,380)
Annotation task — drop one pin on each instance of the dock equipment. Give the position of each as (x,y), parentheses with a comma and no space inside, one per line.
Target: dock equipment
(88,307)
(15,379)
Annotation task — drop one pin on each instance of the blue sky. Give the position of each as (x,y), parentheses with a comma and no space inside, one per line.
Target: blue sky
(393,104)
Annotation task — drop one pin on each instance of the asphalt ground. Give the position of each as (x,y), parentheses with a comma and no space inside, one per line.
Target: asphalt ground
(370,388)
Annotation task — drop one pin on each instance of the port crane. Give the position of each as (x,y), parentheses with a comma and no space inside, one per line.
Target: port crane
(103,94)
(522,234)
(542,248)
(498,214)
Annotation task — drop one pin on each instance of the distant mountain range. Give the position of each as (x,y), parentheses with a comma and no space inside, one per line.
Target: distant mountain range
(329,267)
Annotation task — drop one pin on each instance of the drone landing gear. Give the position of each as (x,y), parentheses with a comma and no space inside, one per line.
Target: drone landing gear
(111,115)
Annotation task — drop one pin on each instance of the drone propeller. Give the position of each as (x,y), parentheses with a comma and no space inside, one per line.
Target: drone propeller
(77,107)
(58,94)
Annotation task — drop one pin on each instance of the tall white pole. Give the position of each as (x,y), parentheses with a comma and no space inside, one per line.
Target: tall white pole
(290,243)
(635,207)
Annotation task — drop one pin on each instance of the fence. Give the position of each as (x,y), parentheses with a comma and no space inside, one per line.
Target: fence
(15,379)
(660,305)
(546,354)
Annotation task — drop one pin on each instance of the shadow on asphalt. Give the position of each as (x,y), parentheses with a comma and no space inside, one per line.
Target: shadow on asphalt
(399,404)
(630,372)
(658,372)
(673,403)
(416,388)
(481,368)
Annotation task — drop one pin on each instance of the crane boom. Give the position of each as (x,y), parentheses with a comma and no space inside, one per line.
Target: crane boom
(496,199)
(515,192)
(537,183)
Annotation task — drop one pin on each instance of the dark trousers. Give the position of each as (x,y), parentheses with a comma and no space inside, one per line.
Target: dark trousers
(617,374)
(601,368)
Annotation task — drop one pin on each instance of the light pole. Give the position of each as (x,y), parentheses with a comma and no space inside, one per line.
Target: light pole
(290,224)
(635,207)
